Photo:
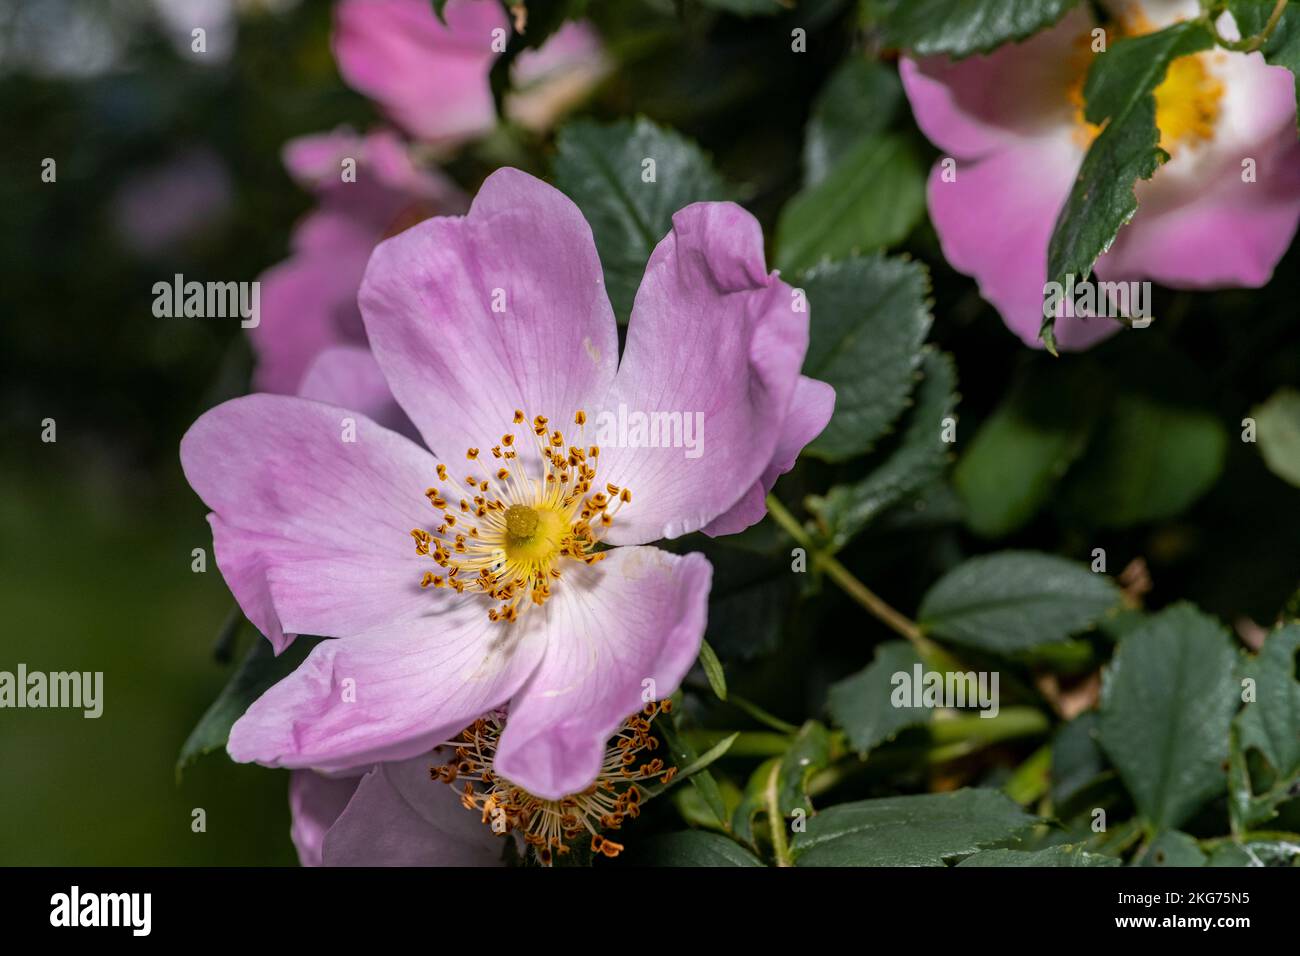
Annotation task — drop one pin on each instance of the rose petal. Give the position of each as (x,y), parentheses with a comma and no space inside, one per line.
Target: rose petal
(401,817)
(458,368)
(430,77)
(810,410)
(349,377)
(311,531)
(995,220)
(624,627)
(308,302)
(315,802)
(983,104)
(392,693)
(718,341)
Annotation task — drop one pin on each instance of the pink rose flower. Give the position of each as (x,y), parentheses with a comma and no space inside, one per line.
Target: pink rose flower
(494,334)
(450,807)
(309,301)
(1013,121)
(431,78)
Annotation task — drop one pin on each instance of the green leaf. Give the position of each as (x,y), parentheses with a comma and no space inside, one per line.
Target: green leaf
(1281,852)
(1283,48)
(1277,424)
(862,704)
(860,101)
(962,27)
(748,601)
(749,8)
(1061,855)
(692,848)
(713,670)
(1167,702)
(868,323)
(871,200)
(751,802)
(1077,761)
(600,169)
(259,670)
(692,766)
(1014,600)
(924,830)
(1024,448)
(1118,93)
(1173,848)
(809,752)
(1269,725)
(916,462)
(1150,459)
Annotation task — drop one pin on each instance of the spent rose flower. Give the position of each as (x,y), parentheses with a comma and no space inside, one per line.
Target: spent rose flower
(450,808)
(309,301)
(478,573)
(1014,122)
(431,77)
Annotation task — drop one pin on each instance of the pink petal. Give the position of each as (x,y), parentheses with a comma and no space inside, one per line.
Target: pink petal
(431,78)
(384,168)
(315,802)
(459,369)
(715,339)
(995,221)
(311,532)
(390,694)
(550,81)
(401,817)
(308,302)
(349,377)
(810,410)
(624,628)
(982,104)
(1199,225)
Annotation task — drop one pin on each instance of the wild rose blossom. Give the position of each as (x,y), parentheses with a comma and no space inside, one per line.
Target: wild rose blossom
(309,301)
(431,77)
(449,808)
(1014,122)
(472,576)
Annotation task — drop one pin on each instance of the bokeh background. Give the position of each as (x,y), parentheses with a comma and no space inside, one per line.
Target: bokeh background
(169,162)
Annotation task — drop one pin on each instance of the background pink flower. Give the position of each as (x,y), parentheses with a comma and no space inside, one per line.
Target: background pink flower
(309,300)
(431,77)
(1013,122)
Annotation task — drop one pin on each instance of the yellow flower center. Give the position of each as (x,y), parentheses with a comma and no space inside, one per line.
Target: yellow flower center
(1188,101)
(550,827)
(507,537)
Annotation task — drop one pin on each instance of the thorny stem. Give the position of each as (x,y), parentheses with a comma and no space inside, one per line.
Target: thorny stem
(842,576)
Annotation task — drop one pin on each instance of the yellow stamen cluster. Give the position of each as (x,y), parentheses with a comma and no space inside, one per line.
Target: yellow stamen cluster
(506,535)
(551,827)
(1188,100)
